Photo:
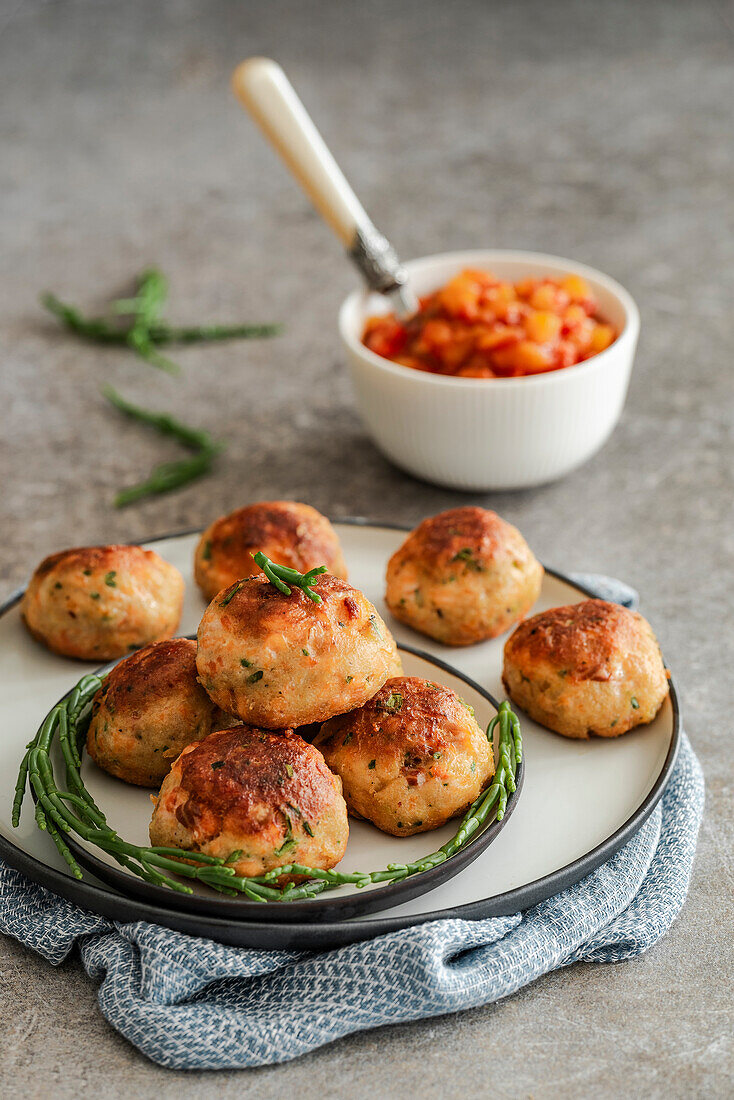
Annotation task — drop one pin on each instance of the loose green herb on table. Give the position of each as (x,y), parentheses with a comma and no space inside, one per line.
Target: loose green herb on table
(168,475)
(143,331)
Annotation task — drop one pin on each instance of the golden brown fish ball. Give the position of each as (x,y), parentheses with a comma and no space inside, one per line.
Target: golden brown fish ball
(288,533)
(588,668)
(411,758)
(101,602)
(259,799)
(463,576)
(279,661)
(149,708)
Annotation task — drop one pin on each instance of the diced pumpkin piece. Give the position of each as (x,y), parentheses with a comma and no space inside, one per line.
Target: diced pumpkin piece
(531,358)
(601,338)
(577,288)
(581,334)
(542,326)
(549,296)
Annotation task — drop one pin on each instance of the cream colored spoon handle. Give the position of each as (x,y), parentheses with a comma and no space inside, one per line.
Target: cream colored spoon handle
(264,89)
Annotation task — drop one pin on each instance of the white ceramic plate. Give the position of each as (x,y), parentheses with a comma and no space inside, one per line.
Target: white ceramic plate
(581,800)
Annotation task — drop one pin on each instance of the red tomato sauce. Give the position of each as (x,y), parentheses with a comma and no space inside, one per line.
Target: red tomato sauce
(478,326)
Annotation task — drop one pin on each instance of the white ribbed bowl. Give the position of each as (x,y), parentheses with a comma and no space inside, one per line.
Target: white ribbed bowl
(503,433)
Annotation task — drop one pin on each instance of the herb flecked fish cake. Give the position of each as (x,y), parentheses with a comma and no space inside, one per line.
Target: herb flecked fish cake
(292,534)
(591,668)
(258,799)
(149,708)
(411,758)
(463,576)
(101,602)
(281,660)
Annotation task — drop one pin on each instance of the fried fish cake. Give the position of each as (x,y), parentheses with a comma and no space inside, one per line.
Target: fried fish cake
(411,758)
(149,708)
(279,661)
(463,576)
(101,602)
(591,668)
(288,533)
(259,799)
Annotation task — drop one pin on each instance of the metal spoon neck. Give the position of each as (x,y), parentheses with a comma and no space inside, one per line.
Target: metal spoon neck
(380,267)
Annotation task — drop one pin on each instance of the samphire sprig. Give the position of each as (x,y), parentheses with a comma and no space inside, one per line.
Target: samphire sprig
(144,332)
(282,577)
(136,323)
(167,475)
(61,811)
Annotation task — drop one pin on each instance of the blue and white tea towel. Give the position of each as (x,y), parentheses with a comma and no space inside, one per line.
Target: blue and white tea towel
(191,1003)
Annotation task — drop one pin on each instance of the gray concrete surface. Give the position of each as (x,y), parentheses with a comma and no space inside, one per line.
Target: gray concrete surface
(601,132)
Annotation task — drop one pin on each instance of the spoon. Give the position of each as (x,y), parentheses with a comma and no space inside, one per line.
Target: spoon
(263,88)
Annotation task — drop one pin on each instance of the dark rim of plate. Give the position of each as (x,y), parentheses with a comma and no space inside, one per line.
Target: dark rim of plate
(115,906)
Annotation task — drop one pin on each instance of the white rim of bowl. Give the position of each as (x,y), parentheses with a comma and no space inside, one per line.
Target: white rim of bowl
(630,329)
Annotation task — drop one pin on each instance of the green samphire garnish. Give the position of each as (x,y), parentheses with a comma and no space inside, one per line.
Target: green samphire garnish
(144,332)
(168,475)
(136,323)
(283,577)
(73,810)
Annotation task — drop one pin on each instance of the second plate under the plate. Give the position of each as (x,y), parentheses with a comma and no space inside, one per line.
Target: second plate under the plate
(128,811)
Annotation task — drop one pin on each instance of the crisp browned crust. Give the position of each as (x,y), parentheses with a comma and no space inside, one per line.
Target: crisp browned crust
(257,607)
(97,558)
(289,533)
(152,672)
(411,758)
(420,727)
(583,639)
(459,537)
(98,602)
(251,782)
